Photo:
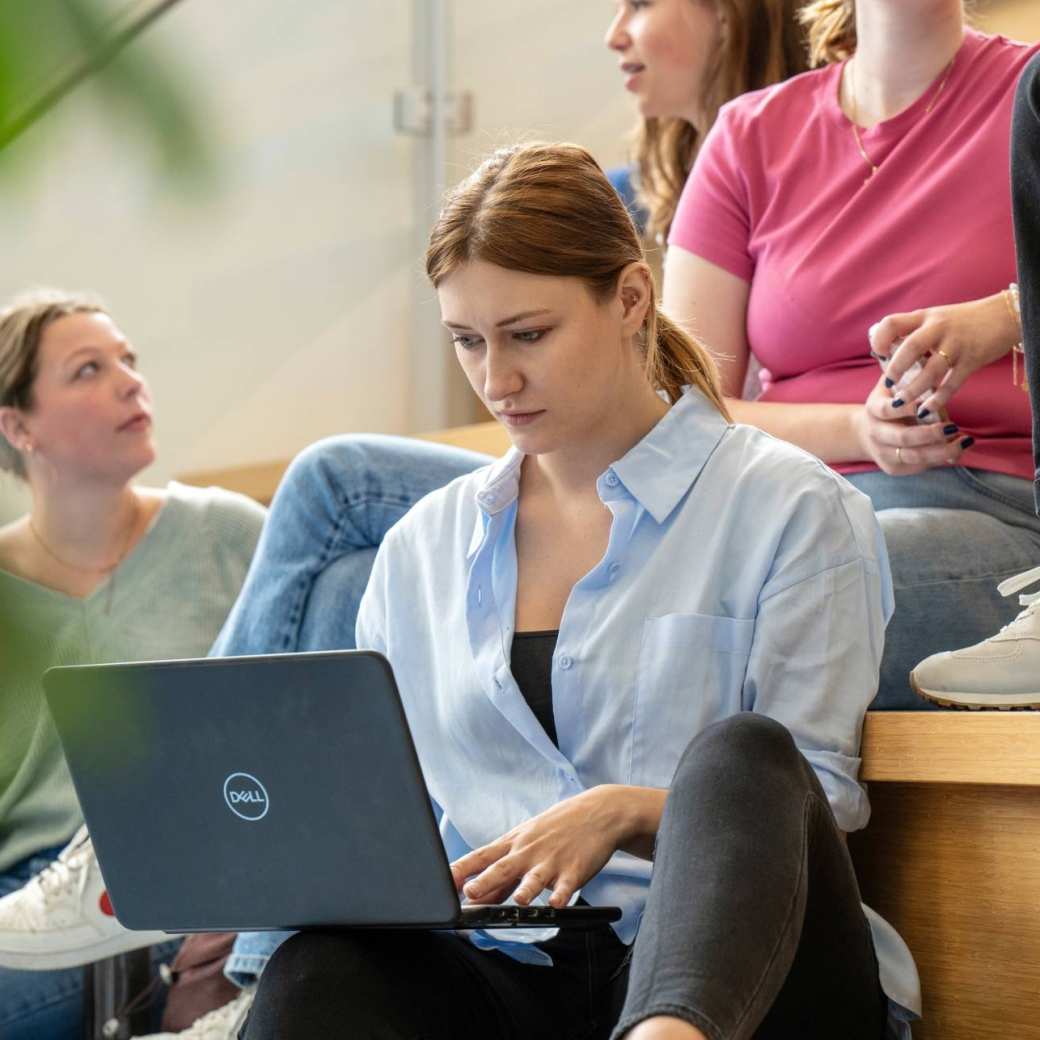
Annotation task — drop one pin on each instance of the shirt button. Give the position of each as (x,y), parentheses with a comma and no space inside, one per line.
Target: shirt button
(565,662)
(612,480)
(480,595)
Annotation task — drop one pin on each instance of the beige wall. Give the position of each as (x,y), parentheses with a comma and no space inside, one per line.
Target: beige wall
(280,310)
(1017,19)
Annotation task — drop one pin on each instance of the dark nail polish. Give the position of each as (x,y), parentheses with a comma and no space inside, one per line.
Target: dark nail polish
(967,443)
(889,383)
(951,429)
(923,413)
(898,402)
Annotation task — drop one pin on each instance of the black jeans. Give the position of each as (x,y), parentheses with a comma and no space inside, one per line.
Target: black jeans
(1025,197)
(753,928)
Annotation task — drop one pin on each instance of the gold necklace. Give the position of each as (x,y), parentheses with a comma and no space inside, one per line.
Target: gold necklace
(854,122)
(108,568)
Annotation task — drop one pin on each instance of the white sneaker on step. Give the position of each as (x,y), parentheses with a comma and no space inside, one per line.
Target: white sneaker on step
(1000,672)
(222,1024)
(62,917)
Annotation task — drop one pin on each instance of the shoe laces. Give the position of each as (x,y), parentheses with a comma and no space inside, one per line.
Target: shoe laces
(1029,600)
(67,871)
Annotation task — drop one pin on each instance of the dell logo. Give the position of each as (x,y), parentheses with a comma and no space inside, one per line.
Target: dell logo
(245,796)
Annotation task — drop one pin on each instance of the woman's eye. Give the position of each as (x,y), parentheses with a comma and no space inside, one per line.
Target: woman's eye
(87,369)
(130,360)
(530,335)
(466,342)
(637,5)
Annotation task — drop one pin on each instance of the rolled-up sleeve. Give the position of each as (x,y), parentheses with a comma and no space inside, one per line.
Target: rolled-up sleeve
(814,666)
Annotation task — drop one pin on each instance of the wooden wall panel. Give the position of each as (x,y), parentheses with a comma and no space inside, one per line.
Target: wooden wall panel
(956,869)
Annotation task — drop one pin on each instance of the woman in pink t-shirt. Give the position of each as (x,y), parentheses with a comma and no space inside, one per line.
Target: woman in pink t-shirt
(875,192)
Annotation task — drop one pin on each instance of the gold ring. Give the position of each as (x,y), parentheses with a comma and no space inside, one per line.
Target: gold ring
(899,456)
(946,357)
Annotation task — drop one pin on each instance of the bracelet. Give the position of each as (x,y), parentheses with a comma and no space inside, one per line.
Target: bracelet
(1011,300)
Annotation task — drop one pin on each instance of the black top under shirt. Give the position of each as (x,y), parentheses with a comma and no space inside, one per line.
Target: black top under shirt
(531,663)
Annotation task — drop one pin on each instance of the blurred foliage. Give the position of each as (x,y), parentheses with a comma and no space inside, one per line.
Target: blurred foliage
(50,48)
(22,660)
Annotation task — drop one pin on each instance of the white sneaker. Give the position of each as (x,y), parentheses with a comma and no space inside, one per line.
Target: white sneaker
(62,917)
(1000,672)
(222,1024)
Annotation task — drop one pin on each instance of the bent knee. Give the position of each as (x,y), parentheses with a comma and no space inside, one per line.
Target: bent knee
(743,740)
(334,462)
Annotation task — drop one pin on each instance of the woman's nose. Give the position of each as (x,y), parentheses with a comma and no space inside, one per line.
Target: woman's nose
(617,36)
(130,381)
(501,377)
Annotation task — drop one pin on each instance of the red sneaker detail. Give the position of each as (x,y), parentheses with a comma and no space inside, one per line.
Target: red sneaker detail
(106,904)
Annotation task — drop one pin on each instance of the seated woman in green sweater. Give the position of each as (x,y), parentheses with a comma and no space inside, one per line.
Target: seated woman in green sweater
(98,570)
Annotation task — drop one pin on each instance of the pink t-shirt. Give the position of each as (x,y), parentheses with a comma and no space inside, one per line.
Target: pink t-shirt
(780,197)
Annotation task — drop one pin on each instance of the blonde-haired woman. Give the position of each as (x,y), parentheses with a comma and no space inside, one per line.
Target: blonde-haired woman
(609,650)
(867,206)
(100,569)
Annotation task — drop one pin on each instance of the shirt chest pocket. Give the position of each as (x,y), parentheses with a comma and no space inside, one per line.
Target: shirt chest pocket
(691,674)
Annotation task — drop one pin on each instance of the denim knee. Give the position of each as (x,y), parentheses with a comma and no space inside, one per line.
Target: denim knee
(328,465)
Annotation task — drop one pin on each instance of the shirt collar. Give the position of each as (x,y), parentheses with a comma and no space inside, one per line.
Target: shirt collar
(502,483)
(657,472)
(662,467)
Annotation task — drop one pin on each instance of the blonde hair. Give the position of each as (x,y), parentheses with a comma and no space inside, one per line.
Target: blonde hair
(762,42)
(831,26)
(548,209)
(22,324)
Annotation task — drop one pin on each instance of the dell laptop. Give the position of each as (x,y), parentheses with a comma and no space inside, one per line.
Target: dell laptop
(254,793)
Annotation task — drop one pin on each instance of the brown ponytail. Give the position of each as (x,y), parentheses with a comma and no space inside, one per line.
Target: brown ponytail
(548,209)
(674,359)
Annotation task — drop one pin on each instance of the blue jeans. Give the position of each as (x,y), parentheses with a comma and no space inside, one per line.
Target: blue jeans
(47,1005)
(952,534)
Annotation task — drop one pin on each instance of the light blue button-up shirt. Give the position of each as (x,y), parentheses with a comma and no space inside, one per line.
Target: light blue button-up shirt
(741,574)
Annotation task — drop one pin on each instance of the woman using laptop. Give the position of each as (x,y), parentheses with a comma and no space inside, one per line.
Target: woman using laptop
(99,569)
(635,656)
(681,60)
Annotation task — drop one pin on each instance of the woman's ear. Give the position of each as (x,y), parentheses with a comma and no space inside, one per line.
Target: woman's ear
(12,426)
(635,293)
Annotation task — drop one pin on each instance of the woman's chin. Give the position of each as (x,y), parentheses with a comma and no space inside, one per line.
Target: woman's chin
(533,442)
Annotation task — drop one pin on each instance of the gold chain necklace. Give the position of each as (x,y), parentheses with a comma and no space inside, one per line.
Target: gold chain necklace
(854,122)
(108,568)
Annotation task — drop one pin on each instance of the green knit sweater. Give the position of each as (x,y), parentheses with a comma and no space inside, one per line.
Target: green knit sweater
(166,600)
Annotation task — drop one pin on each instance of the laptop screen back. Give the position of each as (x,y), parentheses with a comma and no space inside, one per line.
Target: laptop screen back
(253,793)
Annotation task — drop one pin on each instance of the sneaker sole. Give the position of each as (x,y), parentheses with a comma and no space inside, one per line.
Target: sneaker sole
(971,702)
(40,960)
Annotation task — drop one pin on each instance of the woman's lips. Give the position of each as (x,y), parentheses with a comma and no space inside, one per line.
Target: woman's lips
(520,418)
(632,72)
(140,422)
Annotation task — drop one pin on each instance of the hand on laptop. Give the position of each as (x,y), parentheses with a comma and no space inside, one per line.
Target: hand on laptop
(559,849)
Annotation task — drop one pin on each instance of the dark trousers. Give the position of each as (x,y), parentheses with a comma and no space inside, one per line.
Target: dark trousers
(1025,197)
(753,929)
